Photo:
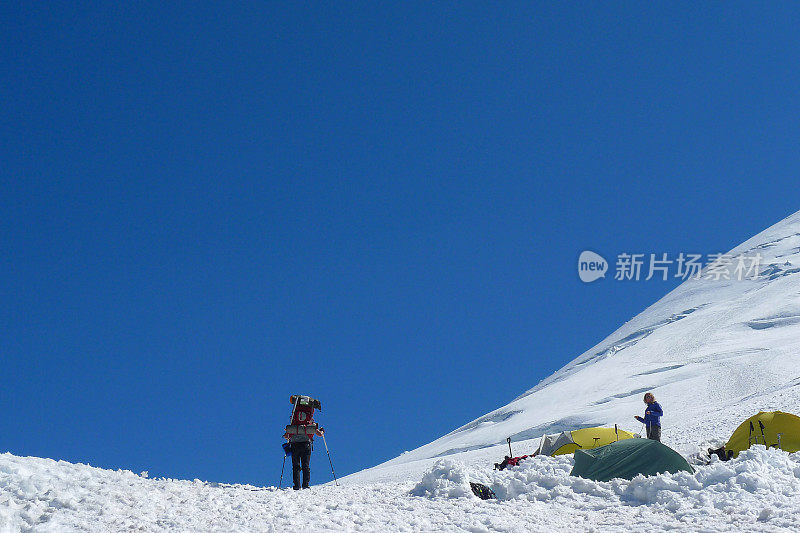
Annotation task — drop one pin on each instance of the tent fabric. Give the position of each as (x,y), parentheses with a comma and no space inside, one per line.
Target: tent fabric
(589,438)
(627,459)
(586,438)
(781,430)
(551,443)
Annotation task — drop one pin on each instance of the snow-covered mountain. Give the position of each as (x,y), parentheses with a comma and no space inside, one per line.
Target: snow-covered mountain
(714,351)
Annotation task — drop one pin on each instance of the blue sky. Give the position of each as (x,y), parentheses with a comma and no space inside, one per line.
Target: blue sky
(205,209)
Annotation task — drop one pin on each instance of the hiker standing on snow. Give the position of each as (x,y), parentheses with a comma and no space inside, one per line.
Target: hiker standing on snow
(300,434)
(652,417)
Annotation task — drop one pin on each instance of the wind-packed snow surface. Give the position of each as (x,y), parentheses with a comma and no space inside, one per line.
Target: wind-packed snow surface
(758,491)
(714,352)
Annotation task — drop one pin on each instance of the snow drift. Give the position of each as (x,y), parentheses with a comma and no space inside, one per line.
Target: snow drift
(755,492)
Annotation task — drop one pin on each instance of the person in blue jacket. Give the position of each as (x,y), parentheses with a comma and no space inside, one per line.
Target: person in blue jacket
(652,417)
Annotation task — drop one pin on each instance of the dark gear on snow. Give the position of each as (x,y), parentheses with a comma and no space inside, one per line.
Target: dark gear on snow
(721,453)
(509,461)
(482,491)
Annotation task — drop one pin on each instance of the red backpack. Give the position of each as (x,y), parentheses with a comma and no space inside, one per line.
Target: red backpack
(302,418)
(302,413)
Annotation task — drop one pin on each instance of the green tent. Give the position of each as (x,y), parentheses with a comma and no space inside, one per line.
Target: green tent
(628,458)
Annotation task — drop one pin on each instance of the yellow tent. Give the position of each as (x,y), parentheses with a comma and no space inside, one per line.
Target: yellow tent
(585,439)
(773,429)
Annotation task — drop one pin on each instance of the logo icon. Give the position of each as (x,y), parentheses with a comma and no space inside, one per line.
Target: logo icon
(591,266)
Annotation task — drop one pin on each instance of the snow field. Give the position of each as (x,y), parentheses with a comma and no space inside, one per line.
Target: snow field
(759,491)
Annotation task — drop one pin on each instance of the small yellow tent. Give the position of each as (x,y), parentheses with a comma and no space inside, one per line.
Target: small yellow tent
(774,429)
(585,439)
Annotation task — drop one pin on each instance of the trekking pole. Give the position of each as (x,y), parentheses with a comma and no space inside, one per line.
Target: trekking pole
(282,467)
(286,452)
(329,460)
(761,425)
(508,440)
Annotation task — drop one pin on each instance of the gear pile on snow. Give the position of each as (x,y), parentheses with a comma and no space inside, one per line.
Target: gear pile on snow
(482,491)
(568,442)
(510,461)
(774,429)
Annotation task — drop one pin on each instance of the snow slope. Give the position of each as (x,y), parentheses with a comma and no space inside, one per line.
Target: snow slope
(714,352)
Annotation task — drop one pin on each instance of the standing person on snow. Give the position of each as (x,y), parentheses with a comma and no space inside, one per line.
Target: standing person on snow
(300,434)
(652,417)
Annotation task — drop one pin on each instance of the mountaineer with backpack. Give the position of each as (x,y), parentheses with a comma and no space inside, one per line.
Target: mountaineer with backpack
(652,417)
(300,433)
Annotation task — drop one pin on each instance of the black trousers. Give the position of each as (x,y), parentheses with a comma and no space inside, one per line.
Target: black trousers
(654,433)
(301,462)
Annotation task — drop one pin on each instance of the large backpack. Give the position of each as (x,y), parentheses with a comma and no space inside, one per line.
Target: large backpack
(302,418)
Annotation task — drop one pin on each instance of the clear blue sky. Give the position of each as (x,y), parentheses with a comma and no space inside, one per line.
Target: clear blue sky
(204,209)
